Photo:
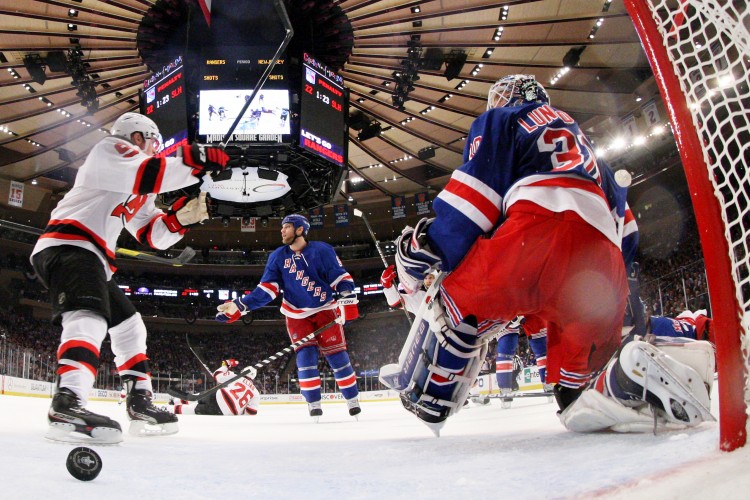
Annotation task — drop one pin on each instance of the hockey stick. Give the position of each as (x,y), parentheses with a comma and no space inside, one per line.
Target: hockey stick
(523,395)
(198,356)
(359,213)
(287,38)
(260,364)
(187,254)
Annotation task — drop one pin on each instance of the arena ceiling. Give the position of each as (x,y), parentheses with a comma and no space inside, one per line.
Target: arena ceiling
(46,131)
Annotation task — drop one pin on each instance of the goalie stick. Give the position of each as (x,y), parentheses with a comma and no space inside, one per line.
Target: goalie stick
(281,11)
(260,364)
(185,256)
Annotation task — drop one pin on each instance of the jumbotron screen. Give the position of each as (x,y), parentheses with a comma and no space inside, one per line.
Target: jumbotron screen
(228,76)
(322,111)
(163,101)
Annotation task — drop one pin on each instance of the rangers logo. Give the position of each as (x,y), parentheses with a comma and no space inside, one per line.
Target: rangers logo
(474,146)
(287,263)
(311,286)
(317,291)
(323,296)
(293,269)
(300,274)
(305,280)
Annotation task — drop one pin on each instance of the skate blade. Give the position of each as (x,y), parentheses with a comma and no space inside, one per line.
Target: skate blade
(67,434)
(141,428)
(434,427)
(315,419)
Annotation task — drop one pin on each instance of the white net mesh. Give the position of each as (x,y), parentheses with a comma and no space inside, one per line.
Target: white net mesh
(708,43)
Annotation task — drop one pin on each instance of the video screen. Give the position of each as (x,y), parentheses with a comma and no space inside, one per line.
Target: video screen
(268,113)
(163,100)
(322,111)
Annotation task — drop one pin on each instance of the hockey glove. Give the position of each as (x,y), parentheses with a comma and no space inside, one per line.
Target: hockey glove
(386,279)
(348,310)
(414,260)
(230,363)
(249,372)
(230,311)
(204,158)
(186,213)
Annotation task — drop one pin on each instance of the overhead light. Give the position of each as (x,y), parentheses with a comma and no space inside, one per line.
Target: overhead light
(72,27)
(72,13)
(416,10)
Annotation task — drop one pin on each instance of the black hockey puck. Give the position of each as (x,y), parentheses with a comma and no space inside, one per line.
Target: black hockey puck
(84,463)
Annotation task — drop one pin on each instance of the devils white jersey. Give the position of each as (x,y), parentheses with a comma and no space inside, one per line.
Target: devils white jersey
(116,188)
(241,397)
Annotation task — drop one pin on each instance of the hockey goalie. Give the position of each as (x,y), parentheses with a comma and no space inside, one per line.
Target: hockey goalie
(534,224)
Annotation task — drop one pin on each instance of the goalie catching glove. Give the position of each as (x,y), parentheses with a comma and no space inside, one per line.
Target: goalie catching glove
(186,213)
(347,310)
(204,158)
(231,310)
(414,260)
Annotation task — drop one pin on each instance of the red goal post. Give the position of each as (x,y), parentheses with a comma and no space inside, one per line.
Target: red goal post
(699,51)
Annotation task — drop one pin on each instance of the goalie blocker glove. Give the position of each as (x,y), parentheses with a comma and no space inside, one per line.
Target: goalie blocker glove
(186,213)
(231,311)
(204,158)
(414,260)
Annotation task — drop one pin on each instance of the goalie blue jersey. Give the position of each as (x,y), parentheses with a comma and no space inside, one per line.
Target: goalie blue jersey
(535,153)
(308,280)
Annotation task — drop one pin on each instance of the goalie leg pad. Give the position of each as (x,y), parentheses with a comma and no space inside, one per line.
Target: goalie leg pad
(438,369)
(643,372)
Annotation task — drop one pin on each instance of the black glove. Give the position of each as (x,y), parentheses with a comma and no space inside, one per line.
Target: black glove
(204,158)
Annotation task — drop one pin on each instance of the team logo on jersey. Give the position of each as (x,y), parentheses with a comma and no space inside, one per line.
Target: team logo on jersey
(317,291)
(293,269)
(305,280)
(130,207)
(300,275)
(287,263)
(474,146)
(323,296)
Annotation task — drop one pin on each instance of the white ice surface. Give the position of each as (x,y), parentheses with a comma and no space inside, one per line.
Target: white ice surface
(484,452)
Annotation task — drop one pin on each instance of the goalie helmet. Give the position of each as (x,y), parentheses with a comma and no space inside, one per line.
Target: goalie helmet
(129,123)
(297,221)
(516,90)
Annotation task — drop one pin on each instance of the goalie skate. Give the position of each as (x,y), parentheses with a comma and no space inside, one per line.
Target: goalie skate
(679,391)
(69,422)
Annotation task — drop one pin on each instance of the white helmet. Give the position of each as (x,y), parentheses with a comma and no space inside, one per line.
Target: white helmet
(129,123)
(516,90)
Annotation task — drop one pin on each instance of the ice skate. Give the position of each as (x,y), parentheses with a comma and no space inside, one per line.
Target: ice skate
(507,398)
(315,410)
(147,419)
(354,408)
(70,422)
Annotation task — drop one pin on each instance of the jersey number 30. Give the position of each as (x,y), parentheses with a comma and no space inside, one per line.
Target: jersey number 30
(569,151)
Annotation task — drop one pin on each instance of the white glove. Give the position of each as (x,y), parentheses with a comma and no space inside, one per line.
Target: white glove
(194,212)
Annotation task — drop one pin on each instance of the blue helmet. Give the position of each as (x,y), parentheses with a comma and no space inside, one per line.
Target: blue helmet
(297,221)
(516,90)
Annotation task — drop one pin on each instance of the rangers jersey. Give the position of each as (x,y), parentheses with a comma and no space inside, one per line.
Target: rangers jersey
(116,188)
(307,278)
(533,152)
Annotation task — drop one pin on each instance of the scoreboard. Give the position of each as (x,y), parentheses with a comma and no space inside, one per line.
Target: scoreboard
(322,107)
(164,101)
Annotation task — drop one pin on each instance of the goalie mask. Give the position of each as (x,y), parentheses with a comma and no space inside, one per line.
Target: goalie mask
(129,123)
(516,90)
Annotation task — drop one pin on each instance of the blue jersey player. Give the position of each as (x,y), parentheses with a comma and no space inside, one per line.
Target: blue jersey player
(310,275)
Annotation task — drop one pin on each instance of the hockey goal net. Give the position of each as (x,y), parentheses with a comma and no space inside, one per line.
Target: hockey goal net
(700,53)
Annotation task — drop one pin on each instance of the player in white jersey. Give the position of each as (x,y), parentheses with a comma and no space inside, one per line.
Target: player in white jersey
(241,397)
(396,297)
(115,188)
